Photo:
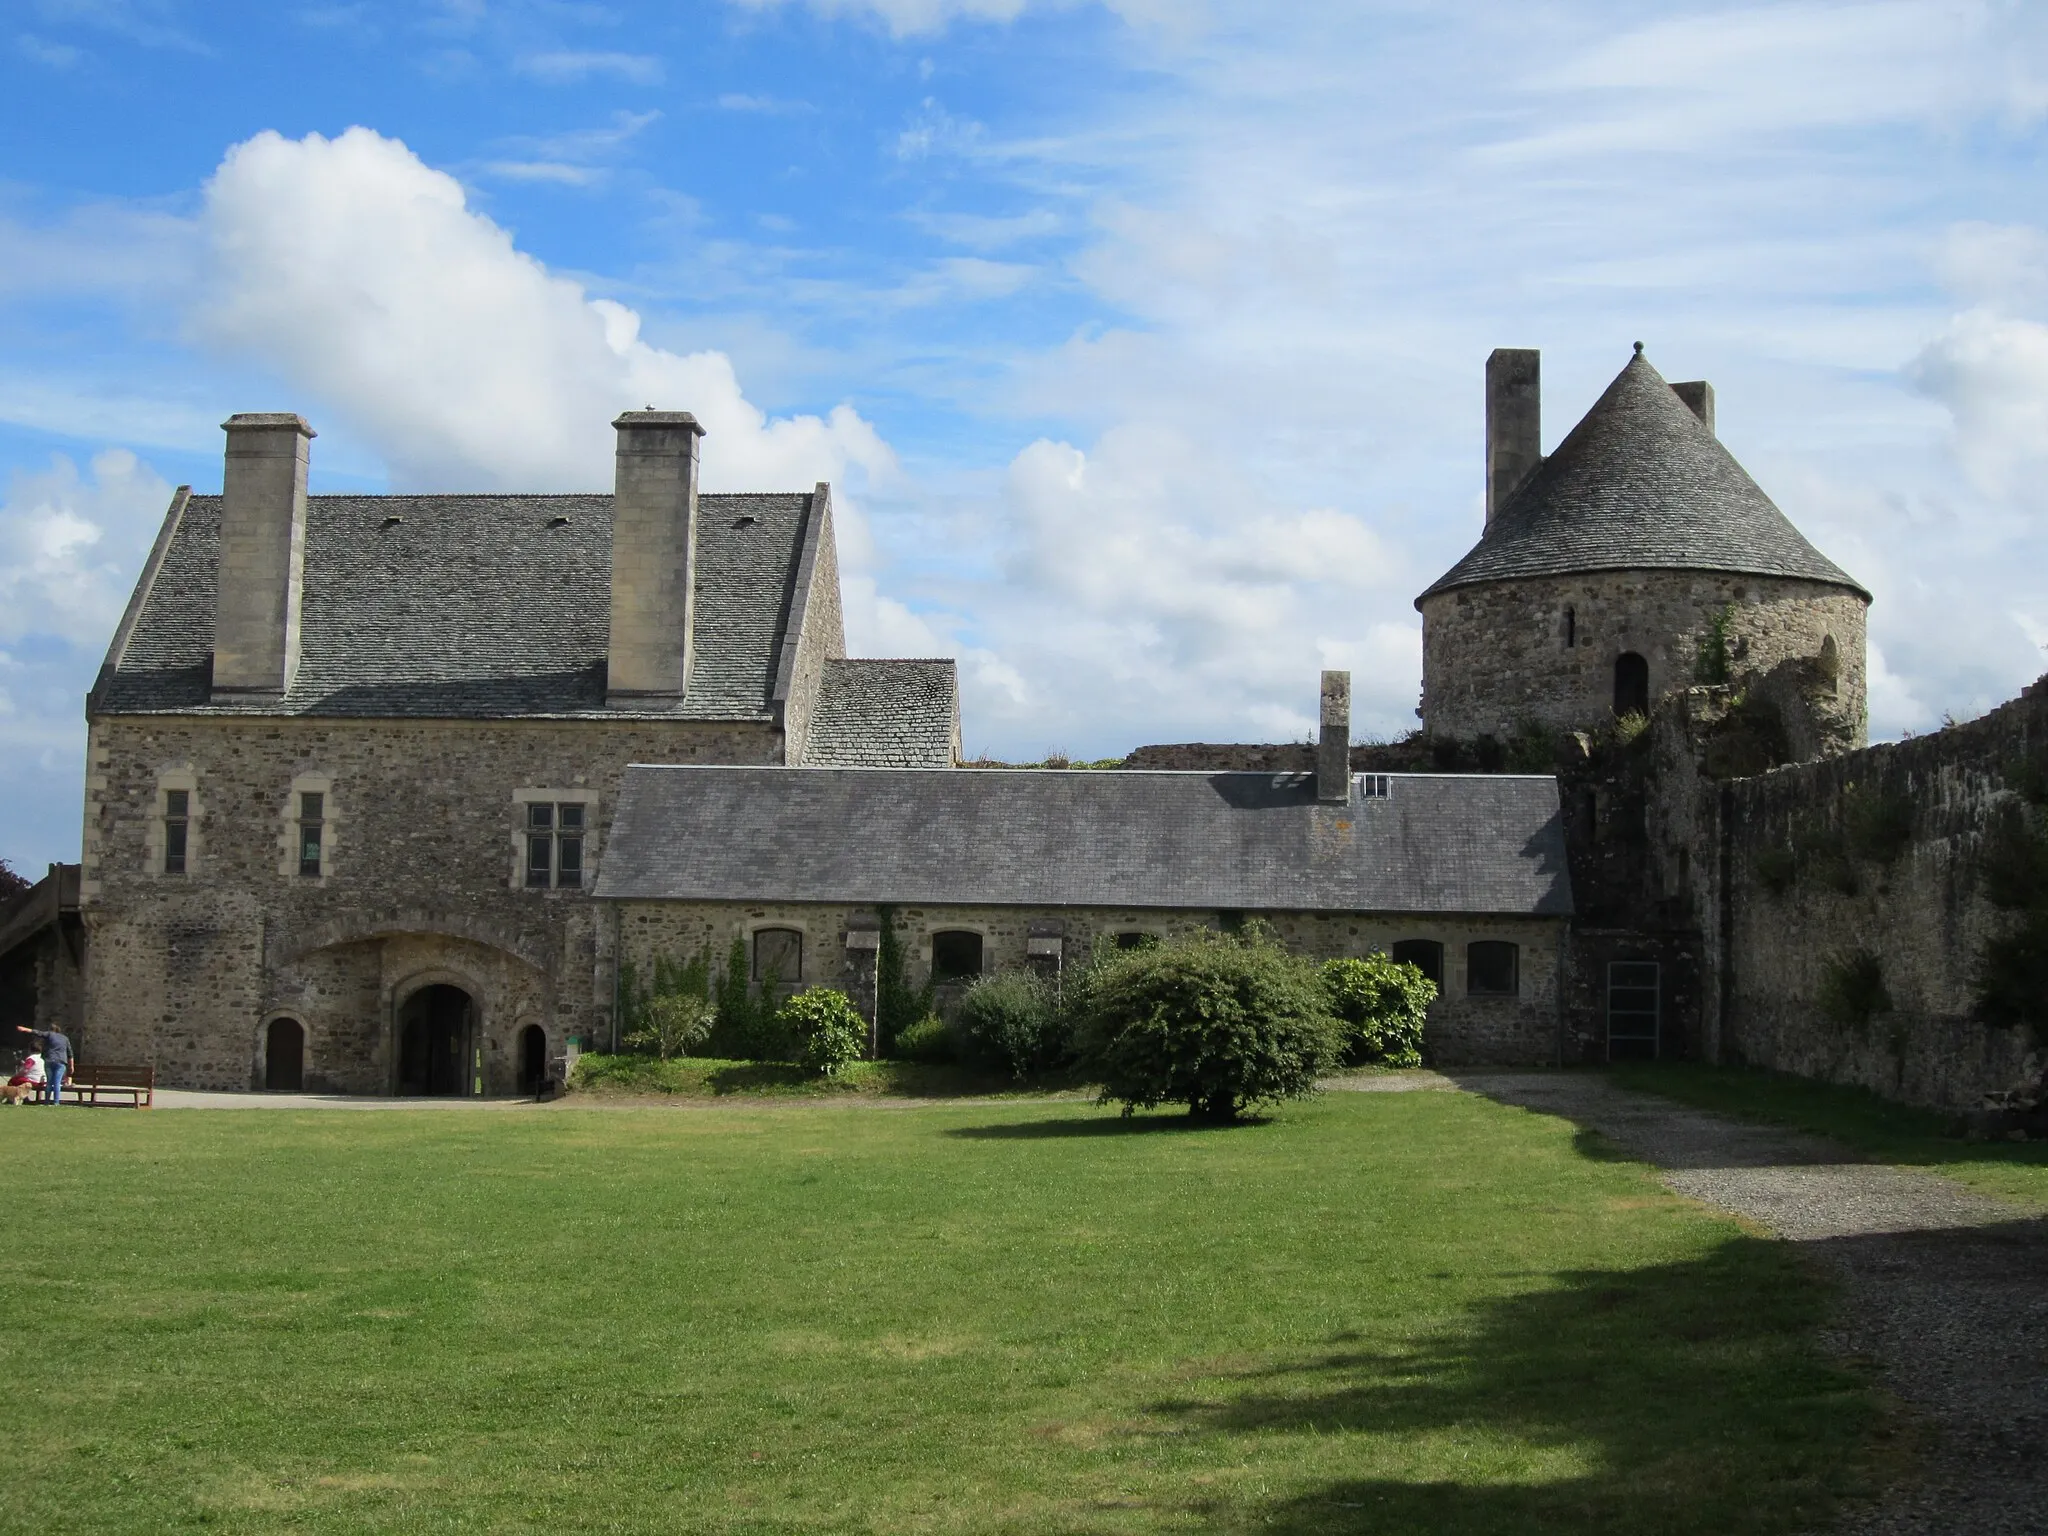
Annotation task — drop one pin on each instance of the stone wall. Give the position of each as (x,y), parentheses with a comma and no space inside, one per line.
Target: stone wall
(1797,876)
(1463,1030)
(821,631)
(1495,657)
(421,884)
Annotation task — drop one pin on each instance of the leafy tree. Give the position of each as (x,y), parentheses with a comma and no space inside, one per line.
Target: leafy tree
(1215,1022)
(1011,1021)
(673,1024)
(12,884)
(1383,1005)
(745,1024)
(825,1028)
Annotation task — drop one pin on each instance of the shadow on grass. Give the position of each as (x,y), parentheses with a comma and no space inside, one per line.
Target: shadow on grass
(1104,1124)
(1675,1398)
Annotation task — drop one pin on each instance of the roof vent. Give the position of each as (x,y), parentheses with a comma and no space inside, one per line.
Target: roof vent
(558,522)
(1375,786)
(392,522)
(745,520)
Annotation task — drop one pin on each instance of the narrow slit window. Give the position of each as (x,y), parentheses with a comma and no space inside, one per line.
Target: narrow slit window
(312,816)
(1571,628)
(177,829)
(540,846)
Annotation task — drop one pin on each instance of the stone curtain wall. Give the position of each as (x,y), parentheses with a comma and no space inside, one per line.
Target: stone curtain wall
(1463,1031)
(1494,656)
(1923,914)
(421,887)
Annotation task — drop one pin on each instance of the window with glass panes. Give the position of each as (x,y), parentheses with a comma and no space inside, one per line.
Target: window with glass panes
(177,829)
(312,812)
(554,844)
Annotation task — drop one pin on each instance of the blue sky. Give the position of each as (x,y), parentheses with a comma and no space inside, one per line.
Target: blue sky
(1142,340)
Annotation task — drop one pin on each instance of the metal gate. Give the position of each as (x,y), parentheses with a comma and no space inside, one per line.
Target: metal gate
(1632,1012)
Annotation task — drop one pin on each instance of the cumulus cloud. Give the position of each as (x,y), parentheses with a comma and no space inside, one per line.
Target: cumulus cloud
(70,545)
(362,277)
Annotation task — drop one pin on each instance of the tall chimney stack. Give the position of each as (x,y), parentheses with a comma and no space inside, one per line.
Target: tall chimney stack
(1514,422)
(1698,396)
(262,556)
(1333,747)
(654,556)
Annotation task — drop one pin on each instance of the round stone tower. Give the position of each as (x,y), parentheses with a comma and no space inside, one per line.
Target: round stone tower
(1637,559)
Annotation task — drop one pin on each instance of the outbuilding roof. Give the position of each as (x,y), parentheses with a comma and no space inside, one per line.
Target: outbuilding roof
(458,606)
(886,714)
(1478,844)
(1640,483)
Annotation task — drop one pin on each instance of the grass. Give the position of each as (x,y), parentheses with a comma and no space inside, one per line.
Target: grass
(1858,1119)
(1374,1313)
(708,1077)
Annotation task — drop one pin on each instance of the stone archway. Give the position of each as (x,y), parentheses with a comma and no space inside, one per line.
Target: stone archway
(439,1043)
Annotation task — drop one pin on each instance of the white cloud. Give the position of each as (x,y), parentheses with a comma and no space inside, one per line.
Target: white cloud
(985,233)
(362,278)
(42,51)
(70,545)
(550,172)
(570,68)
(1991,371)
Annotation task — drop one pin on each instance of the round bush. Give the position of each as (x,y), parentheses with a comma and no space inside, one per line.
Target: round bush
(930,1039)
(825,1029)
(1010,1022)
(1382,1005)
(1216,1023)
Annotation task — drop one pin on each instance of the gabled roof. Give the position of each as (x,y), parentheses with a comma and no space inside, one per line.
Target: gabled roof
(1641,483)
(1023,837)
(454,606)
(886,714)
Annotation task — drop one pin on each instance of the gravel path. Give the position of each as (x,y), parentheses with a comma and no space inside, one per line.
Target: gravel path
(1945,1289)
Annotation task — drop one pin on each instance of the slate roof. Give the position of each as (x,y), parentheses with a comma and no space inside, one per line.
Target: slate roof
(1640,483)
(1216,841)
(886,714)
(457,606)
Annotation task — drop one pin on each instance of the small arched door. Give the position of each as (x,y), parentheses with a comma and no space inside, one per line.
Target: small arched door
(533,1058)
(1631,685)
(284,1056)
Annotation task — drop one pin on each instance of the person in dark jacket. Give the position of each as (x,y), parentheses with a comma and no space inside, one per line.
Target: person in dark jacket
(56,1048)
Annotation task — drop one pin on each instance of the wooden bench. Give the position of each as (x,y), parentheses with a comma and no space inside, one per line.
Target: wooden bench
(92,1083)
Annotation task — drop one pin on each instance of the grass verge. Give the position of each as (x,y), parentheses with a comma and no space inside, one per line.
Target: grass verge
(1855,1117)
(1417,1312)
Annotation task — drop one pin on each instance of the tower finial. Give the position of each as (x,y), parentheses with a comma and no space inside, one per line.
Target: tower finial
(1639,349)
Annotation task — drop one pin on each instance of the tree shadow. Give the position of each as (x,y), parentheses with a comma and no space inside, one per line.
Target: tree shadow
(1675,1398)
(1104,1124)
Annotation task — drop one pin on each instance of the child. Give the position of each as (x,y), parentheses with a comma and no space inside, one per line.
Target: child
(28,1077)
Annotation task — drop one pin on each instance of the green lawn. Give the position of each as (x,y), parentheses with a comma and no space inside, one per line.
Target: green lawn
(1377,1312)
(1858,1119)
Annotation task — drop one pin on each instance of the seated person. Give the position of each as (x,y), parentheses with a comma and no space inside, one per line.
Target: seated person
(27,1078)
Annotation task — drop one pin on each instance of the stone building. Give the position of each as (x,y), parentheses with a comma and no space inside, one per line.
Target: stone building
(1636,559)
(353,760)
(1465,875)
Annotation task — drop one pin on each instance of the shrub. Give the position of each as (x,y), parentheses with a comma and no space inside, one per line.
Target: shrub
(898,1005)
(1010,1022)
(746,1027)
(1713,661)
(673,1024)
(930,1039)
(1382,1005)
(824,1028)
(1629,728)
(1852,990)
(1217,1023)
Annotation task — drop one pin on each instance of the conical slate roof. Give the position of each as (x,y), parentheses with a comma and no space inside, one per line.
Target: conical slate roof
(1640,483)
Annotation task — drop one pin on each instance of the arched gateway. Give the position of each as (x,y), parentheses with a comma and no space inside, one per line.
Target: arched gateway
(439,1043)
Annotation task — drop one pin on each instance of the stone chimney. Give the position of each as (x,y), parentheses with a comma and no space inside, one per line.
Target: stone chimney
(1698,396)
(1333,747)
(1514,422)
(262,556)
(654,558)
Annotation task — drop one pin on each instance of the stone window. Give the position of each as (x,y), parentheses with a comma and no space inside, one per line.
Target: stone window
(1134,938)
(1492,968)
(312,825)
(177,829)
(778,954)
(553,840)
(1571,627)
(956,954)
(1426,955)
(1631,684)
